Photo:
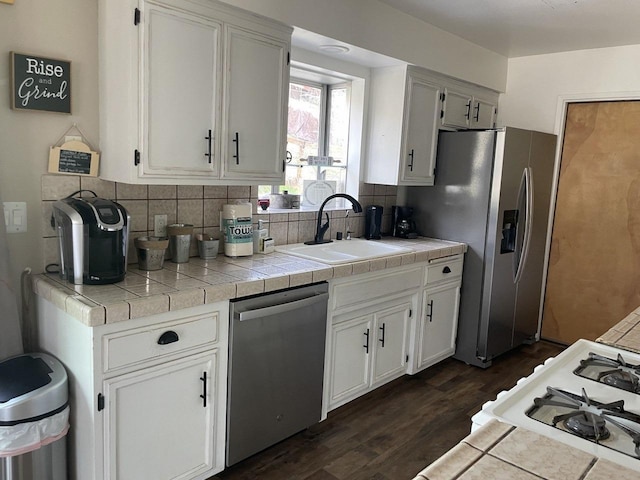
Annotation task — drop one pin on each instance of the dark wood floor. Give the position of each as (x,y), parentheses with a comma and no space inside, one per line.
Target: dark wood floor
(397,430)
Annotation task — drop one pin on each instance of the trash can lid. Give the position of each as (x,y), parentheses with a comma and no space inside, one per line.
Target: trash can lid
(32,386)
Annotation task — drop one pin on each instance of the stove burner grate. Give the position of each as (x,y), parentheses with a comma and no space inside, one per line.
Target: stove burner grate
(614,372)
(589,419)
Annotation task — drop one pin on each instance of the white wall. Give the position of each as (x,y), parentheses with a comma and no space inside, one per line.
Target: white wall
(68,30)
(535,83)
(64,30)
(375,26)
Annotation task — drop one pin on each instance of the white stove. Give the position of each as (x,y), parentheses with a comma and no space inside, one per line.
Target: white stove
(587,397)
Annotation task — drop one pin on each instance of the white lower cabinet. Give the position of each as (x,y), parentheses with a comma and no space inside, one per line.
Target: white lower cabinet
(369,349)
(159,421)
(148,396)
(387,323)
(438,324)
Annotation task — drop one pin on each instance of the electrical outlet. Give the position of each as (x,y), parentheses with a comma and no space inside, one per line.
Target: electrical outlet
(160,225)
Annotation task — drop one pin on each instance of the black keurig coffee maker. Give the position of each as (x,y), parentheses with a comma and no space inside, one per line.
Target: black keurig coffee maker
(403,225)
(93,240)
(372,222)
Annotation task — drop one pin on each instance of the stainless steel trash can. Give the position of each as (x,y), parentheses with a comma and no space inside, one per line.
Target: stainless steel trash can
(34,416)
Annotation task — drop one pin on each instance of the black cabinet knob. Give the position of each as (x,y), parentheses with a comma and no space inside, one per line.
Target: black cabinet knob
(446,270)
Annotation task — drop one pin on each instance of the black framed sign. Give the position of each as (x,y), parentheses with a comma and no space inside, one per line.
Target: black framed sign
(39,83)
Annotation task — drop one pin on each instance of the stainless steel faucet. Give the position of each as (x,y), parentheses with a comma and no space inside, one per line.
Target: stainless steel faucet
(321,229)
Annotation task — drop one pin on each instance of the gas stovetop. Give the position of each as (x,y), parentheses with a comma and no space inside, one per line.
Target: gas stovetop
(587,397)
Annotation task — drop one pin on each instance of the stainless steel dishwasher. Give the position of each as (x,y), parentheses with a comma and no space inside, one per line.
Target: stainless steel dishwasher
(276,365)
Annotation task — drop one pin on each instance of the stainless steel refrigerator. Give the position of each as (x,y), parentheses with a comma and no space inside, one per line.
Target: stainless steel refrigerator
(492,191)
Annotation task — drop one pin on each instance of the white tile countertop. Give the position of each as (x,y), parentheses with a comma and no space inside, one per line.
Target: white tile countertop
(498,451)
(199,281)
(625,334)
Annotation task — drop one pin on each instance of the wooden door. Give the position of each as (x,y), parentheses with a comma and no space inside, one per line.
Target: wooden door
(594,265)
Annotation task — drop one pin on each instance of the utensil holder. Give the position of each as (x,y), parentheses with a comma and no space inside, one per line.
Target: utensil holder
(179,241)
(151,251)
(207,246)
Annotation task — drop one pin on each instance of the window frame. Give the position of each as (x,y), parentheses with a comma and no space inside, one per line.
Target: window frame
(324,125)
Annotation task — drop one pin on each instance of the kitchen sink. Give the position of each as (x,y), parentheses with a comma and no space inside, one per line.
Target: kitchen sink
(343,251)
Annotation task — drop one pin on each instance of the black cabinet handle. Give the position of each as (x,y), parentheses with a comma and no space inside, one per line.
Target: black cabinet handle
(446,270)
(411,162)
(168,337)
(366,345)
(382,337)
(237,142)
(204,389)
(209,138)
(430,314)
(466,115)
(477,115)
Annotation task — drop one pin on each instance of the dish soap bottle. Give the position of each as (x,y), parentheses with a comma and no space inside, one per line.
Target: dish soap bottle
(259,236)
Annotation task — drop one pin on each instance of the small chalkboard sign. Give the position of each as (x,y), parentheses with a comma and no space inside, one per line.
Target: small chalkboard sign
(74,158)
(39,83)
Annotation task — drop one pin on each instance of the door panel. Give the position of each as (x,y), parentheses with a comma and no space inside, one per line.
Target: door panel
(156,422)
(496,331)
(529,290)
(593,279)
(180,108)
(391,343)
(421,131)
(254,65)
(350,360)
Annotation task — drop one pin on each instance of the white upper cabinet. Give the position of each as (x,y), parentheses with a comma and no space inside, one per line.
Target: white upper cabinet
(180,80)
(403,127)
(180,110)
(407,107)
(483,114)
(255,97)
(468,107)
(456,109)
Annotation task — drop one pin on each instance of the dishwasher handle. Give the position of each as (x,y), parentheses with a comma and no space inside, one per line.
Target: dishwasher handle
(282,308)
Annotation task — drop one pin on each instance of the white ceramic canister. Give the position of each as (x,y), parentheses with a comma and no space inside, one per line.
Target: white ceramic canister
(235,223)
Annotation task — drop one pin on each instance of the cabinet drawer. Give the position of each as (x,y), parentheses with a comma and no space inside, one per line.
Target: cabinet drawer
(142,344)
(371,287)
(444,269)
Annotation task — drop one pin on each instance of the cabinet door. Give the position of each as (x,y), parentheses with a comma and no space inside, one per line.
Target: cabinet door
(180,94)
(421,132)
(391,349)
(156,422)
(457,109)
(352,343)
(439,323)
(256,96)
(483,114)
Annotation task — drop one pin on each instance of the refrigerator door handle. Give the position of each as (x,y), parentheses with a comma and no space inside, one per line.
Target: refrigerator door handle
(528,185)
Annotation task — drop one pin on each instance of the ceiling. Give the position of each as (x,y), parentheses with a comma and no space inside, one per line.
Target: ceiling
(516,28)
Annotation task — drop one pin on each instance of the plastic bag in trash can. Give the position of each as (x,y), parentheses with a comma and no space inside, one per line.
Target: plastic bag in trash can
(26,437)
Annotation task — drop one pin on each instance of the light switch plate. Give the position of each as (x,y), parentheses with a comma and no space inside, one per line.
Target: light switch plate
(15,216)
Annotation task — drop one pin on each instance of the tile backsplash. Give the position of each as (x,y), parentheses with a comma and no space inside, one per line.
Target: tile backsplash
(200,206)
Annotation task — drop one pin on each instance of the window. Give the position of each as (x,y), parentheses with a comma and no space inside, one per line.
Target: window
(318,126)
